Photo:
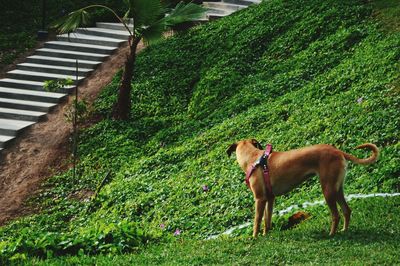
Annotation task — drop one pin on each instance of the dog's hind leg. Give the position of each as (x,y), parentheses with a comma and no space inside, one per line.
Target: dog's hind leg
(259,209)
(345,208)
(330,197)
(328,183)
(268,215)
(331,176)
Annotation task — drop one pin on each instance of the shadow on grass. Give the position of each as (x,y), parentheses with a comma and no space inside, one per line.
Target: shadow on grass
(359,235)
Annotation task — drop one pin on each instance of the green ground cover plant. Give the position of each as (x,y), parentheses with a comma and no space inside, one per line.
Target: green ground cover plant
(292,73)
(371,239)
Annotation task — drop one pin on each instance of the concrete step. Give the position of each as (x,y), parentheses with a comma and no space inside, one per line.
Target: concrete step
(118,34)
(242,2)
(80,47)
(54,69)
(113,26)
(70,54)
(203,19)
(30,95)
(29,85)
(22,84)
(90,39)
(24,115)
(9,127)
(219,9)
(58,61)
(224,7)
(217,14)
(26,105)
(4,140)
(39,76)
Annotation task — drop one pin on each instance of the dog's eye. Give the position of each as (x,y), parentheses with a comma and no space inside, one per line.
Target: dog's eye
(256,144)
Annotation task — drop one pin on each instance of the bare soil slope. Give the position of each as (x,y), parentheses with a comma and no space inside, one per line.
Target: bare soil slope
(44,148)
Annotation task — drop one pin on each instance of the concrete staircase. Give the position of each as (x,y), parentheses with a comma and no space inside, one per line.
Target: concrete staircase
(222,8)
(23,100)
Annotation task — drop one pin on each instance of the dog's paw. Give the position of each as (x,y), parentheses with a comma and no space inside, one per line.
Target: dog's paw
(266,232)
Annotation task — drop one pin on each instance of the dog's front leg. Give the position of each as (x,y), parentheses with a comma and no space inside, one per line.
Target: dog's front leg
(259,209)
(268,215)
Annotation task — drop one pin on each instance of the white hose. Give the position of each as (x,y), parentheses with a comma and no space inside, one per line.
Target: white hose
(305,205)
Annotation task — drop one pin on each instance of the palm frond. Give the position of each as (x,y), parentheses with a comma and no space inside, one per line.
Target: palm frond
(146,12)
(128,10)
(153,33)
(183,13)
(72,21)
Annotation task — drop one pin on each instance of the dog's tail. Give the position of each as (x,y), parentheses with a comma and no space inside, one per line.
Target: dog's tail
(369,160)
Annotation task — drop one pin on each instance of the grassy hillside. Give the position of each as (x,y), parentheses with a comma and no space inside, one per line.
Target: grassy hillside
(292,73)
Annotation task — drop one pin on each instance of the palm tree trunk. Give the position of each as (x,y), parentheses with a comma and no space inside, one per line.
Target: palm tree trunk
(123,106)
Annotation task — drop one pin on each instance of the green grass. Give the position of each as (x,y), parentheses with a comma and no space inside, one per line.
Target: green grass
(292,73)
(371,240)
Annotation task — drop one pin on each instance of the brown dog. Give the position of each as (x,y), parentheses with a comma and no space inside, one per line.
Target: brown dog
(291,168)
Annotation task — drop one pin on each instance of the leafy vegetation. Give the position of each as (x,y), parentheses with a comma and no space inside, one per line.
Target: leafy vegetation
(57,85)
(292,73)
(372,239)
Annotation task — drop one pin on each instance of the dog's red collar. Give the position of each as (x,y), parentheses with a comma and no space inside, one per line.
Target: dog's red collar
(263,161)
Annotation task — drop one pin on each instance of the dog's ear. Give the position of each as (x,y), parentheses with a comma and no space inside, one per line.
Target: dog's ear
(231,149)
(256,144)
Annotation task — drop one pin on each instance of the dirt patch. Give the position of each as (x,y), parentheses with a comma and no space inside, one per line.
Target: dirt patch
(43,150)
